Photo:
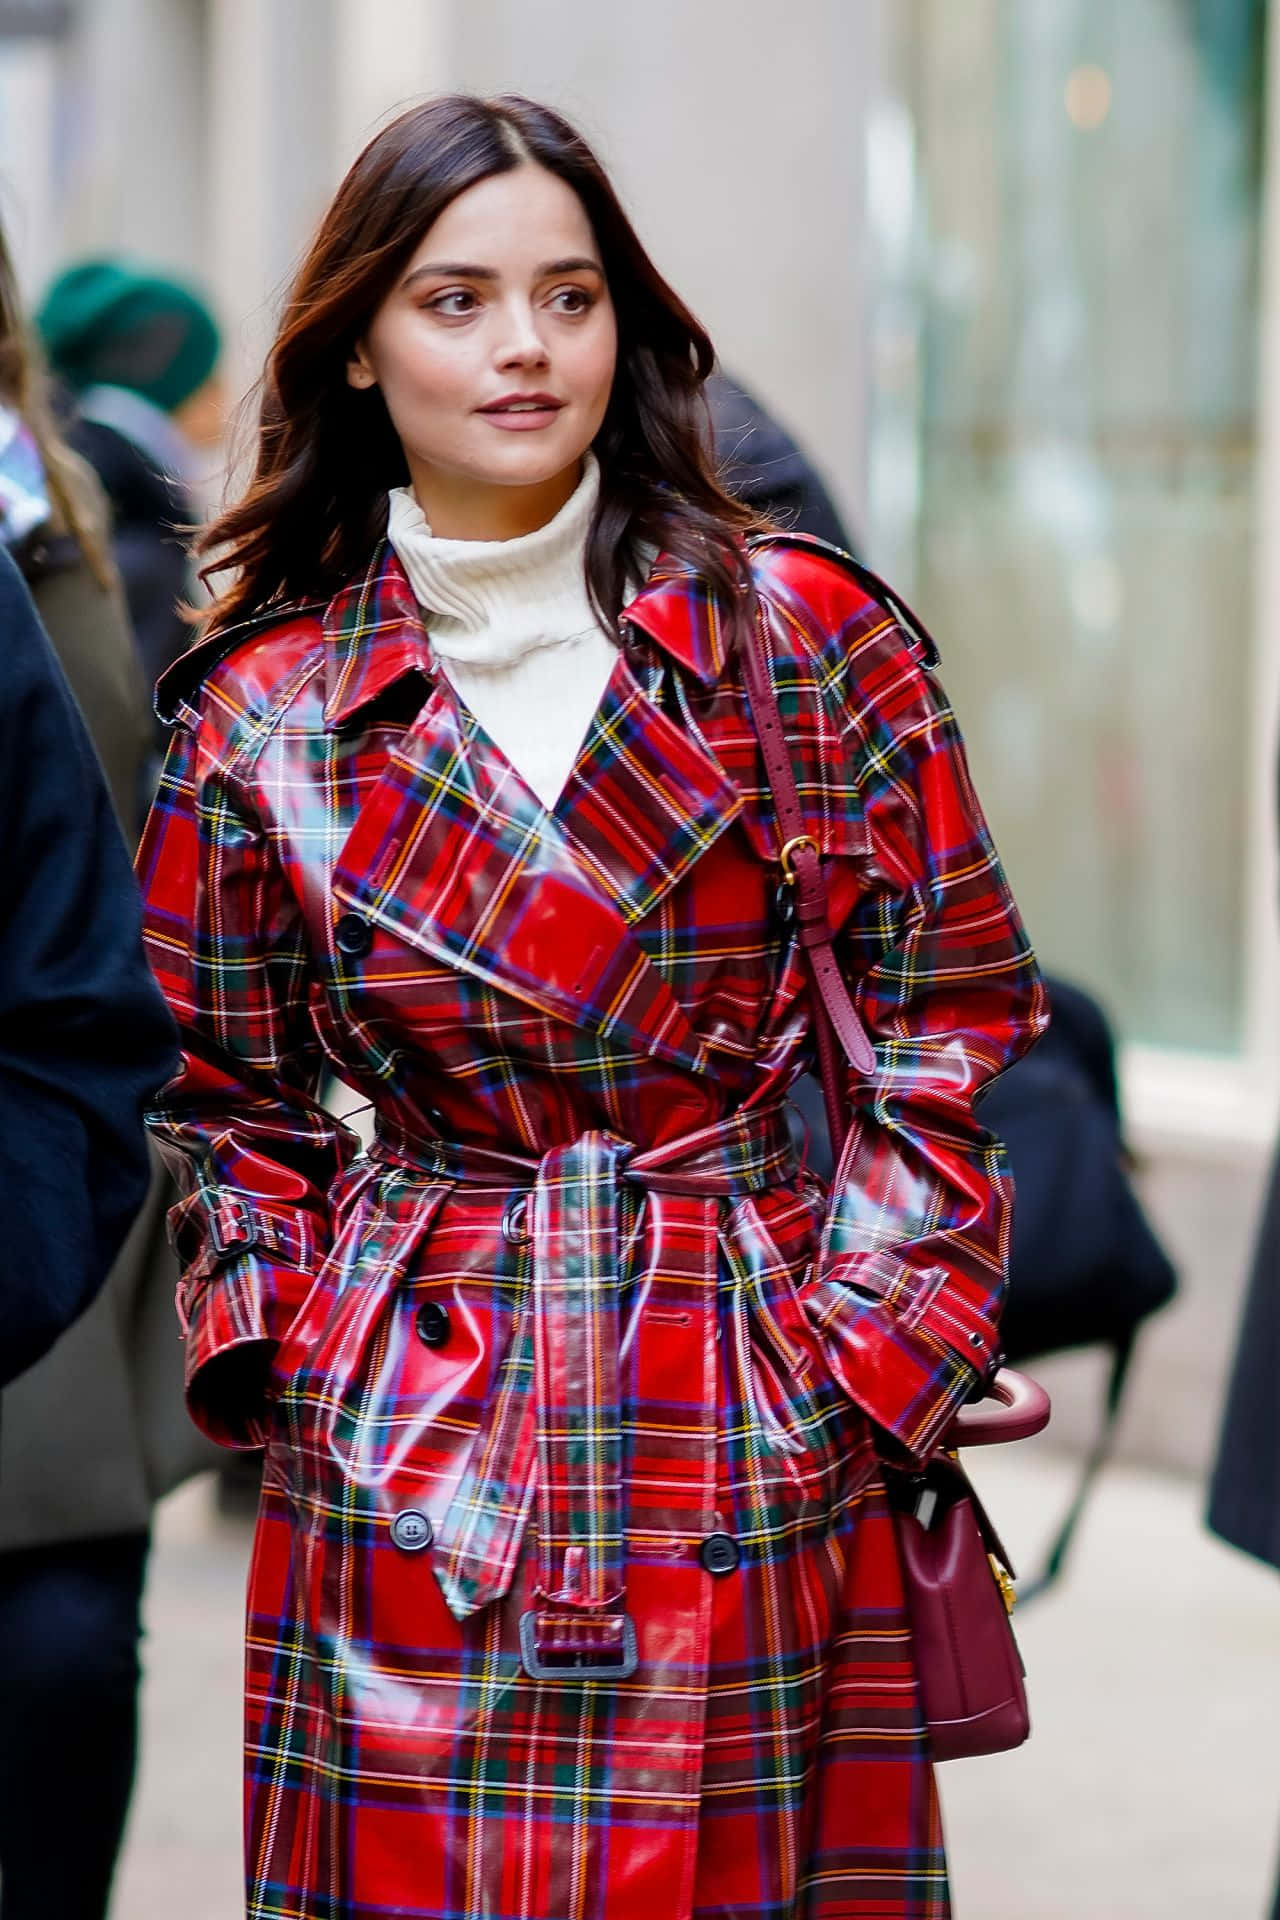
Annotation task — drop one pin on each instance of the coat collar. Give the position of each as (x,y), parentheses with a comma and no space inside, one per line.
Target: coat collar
(678,609)
(374,632)
(374,635)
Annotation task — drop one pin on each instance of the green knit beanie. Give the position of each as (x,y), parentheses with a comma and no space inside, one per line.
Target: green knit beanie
(106,323)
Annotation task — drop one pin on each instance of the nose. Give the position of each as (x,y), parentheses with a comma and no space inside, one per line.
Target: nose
(521,345)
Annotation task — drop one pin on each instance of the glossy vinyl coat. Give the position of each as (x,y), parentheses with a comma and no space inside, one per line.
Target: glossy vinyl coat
(571,1351)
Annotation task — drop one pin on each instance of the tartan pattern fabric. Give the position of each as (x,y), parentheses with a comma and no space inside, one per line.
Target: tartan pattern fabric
(560,1399)
(578,1021)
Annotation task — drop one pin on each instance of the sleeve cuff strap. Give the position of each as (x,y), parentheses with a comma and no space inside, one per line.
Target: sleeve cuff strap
(234,1225)
(904,1378)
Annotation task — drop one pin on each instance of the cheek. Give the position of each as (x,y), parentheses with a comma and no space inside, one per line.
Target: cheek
(596,366)
(418,372)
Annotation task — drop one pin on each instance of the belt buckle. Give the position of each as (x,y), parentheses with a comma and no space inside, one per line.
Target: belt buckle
(564,1650)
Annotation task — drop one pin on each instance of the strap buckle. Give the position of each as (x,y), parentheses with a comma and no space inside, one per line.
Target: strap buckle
(789,851)
(562,1646)
(231,1225)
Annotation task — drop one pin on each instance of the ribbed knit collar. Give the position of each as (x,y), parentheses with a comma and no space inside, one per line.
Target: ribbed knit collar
(489,602)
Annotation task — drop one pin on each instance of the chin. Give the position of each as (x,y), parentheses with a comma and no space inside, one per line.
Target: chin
(519,464)
(525,468)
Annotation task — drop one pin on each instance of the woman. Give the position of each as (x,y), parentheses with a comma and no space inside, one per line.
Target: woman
(575,1590)
(92,1430)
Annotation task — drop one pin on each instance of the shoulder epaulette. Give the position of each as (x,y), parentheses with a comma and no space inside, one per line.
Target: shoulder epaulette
(923,644)
(179,682)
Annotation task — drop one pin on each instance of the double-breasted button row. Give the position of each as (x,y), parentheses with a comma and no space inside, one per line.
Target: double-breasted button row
(353,935)
(412,1532)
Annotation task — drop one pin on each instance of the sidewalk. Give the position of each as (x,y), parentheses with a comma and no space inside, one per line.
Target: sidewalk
(1151,1786)
(1150,1790)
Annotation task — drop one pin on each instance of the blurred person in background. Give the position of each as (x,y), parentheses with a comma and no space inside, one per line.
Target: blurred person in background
(1085,1266)
(93,1432)
(84,1038)
(137,354)
(575,1586)
(761,464)
(1244,1488)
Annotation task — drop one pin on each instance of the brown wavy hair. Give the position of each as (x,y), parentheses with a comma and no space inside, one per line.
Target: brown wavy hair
(327,454)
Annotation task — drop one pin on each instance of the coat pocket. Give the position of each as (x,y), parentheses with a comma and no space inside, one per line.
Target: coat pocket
(795,1412)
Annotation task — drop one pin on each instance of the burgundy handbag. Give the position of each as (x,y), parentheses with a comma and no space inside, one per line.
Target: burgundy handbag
(957,1576)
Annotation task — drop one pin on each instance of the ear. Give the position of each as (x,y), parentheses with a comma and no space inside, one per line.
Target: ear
(359,372)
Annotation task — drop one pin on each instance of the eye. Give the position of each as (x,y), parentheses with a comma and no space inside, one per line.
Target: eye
(454,304)
(573,299)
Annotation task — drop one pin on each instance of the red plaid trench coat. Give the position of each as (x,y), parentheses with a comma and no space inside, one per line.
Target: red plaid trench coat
(572,1366)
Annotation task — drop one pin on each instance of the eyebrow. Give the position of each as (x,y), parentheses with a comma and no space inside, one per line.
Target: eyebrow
(468,270)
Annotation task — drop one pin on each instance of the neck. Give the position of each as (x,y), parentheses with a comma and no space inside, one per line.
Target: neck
(458,509)
(494,600)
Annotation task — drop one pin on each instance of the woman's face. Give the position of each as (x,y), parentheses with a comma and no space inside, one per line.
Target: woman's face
(495,354)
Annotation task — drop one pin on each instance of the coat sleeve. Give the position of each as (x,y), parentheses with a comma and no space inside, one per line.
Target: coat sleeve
(85,1039)
(240,1125)
(912,1272)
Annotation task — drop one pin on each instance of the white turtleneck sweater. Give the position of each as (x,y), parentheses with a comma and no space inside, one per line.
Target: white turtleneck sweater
(512,626)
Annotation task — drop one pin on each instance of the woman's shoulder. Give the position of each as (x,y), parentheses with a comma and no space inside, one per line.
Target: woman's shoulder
(247,668)
(838,605)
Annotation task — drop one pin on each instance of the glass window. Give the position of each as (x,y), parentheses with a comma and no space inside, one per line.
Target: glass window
(1064,204)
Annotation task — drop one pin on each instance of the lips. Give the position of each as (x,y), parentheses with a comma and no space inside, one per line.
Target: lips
(518,403)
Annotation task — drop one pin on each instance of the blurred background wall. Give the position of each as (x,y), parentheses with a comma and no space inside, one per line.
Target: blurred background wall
(1007,269)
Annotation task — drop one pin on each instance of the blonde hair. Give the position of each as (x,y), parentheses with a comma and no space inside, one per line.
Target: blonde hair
(74,494)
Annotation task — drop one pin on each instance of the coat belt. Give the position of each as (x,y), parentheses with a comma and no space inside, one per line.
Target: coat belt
(552,1427)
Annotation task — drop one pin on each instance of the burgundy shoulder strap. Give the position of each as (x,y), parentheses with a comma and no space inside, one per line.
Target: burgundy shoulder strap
(835,1018)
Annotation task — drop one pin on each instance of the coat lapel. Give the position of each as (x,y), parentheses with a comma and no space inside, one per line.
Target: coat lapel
(453,854)
(679,611)
(644,801)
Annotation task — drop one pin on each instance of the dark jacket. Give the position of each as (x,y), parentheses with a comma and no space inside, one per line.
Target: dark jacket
(97,1431)
(1244,1494)
(84,1036)
(1244,1488)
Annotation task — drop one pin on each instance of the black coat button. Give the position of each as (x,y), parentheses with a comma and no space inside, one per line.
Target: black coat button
(719,1553)
(353,934)
(411,1530)
(433,1324)
(515,1221)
